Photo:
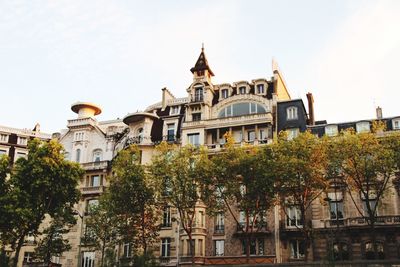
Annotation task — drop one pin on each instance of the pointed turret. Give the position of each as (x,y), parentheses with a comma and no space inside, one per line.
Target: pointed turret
(201,68)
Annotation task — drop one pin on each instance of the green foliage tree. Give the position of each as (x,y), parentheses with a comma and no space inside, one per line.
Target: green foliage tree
(367,163)
(181,172)
(101,228)
(131,197)
(4,199)
(242,182)
(299,168)
(42,184)
(52,242)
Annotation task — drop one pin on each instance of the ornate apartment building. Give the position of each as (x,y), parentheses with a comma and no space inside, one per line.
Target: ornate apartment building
(254,112)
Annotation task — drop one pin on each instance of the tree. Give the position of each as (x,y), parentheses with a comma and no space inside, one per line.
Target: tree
(242,181)
(42,184)
(131,197)
(181,172)
(367,164)
(52,241)
(299,167)
(4,200)
(101,230)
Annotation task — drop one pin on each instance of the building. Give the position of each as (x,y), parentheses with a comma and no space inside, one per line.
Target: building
(254,112)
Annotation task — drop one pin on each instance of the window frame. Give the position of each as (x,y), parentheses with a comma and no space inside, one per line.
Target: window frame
(292,113)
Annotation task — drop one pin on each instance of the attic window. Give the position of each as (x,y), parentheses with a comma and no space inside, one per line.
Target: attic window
(260,89)
(174,110)
(291,113)
(363,127)
(242,90)
(224,93)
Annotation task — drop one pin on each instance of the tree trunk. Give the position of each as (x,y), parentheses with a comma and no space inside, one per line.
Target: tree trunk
(191,247)
(18,249)
(102,253)
(144,243)
(247,248)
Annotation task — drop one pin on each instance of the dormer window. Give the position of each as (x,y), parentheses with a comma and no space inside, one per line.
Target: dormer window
(363,127)
(331,130)
(198,94)
(97,155)
(260,89)
(22,140)
(3,138)
(174,110)
(291,113)
(242,90)
(224,93)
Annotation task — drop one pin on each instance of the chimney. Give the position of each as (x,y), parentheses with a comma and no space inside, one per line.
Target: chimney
(310,100)
(166,96)
(379,113)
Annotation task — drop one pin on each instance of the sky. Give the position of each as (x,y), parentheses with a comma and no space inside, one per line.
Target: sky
(119,54)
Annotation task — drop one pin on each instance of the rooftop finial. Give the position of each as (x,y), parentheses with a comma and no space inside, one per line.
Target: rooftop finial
(202,47)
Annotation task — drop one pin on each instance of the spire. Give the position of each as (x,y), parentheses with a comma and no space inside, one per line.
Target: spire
(202,63)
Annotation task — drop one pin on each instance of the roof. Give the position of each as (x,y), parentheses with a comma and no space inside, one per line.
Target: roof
(202,63)
(78,105)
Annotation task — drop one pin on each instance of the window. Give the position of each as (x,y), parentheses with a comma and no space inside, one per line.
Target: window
(396,124)
(256,246)
(78,155)
(240,109)
(97,154)
(251,135)
(171,132)
(196,116)
(297,249)
(201,219)
(219,246)
(28,256)
(291,113)
(79,136)
(94,180)
(293,218)
(242,90)
(88,259)
(292,133)
(20,155)
(369,251)
(331,130)
(219,223)
(263,135)
(91,204)
(260,88)
(140,134)
(224,93)
(340,251)
(260,246)
(167,217)
(22,141)
(363,127)
(3,152)
(191,248)
(200,247)
(371,201)
(3,138)
(166,247)
(336,206)
(127,250)
(174,110)
(194,139)
(198,94)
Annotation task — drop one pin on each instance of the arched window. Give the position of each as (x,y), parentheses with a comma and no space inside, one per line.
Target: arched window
(97,155)
(78,155)
(240,109)
(370,251)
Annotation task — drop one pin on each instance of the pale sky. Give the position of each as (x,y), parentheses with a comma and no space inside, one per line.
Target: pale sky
(119,54)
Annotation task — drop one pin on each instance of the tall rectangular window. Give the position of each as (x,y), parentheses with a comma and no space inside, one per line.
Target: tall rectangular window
(196,116)
(200,247)
(167,217)
(127,250)
(219,223)
(219,246)
(191,247)
(291,113)
(293,216)
(166,247)
(251,135)
(3,138)
(198,94)
(224,93)
(260,88)
(94,180)
(28,256)
(297,249)
(171,132)
(88,259)
(194,139)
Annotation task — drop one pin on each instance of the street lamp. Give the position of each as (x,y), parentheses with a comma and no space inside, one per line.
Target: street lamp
(81,215)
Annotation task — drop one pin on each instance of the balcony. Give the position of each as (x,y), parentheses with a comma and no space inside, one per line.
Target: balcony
(92,190)
(171,139)
(258,228)
(360,221)
(230,121)
(237,260)
(81,122)
(197,98)
(187,259)
(96,165)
